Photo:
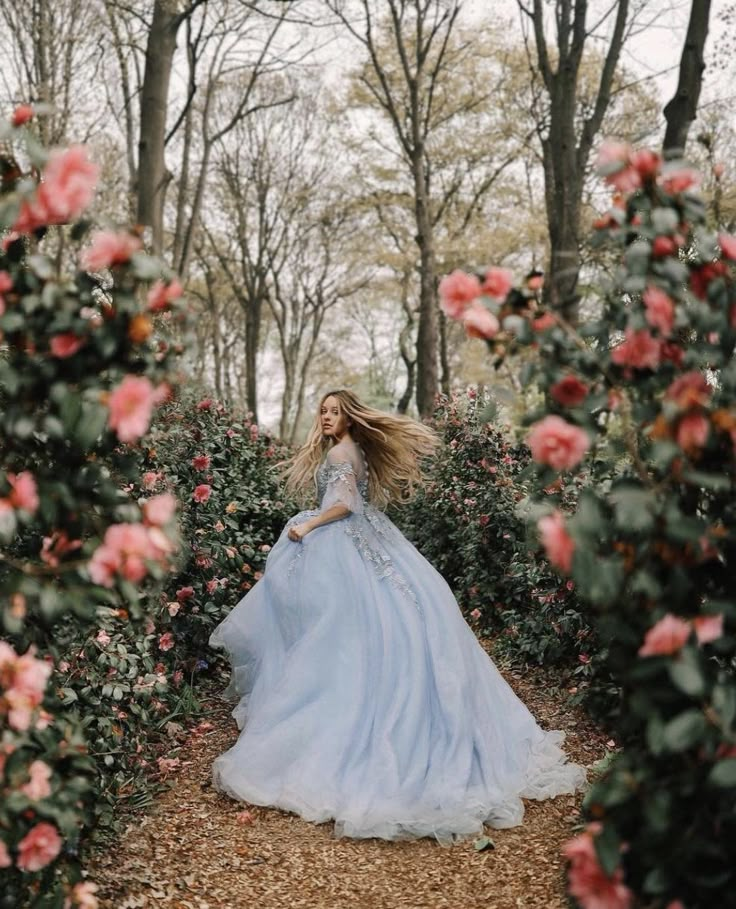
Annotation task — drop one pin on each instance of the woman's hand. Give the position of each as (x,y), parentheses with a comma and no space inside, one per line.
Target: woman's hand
(298,532)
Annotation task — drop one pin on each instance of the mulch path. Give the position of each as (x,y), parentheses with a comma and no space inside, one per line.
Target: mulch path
(190,850)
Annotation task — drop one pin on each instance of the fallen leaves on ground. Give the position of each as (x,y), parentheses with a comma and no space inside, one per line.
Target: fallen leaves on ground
(197,849)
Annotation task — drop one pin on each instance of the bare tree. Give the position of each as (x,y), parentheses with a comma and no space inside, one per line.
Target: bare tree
(51,54)
(414,34)
(565,147)
(682,108)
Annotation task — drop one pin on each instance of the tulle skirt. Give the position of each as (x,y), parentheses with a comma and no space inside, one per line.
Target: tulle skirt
(363,696)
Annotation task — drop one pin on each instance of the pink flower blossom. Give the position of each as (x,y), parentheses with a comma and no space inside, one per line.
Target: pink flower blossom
(166,641)
(692,432)
(201,462)
(22,114)
(479,322)
(569,391)
(161,295)
(457,290)
(545,322)
(23,680)
(612,153)
(625,180)
(640,350)
(5,860)
(184,593)
(689,390)
(24,492)
(83,896)
(38,787)
(265,547)
(56,546)
(669,635)
(663,246)
(131,405)
(65,345)
(728,246)
(150,479)
(67,188)
(202,493)
(244,817)
(475,614)
(219,526)
(660,310)
(123,551)
(708,628)
(160,509)
(646,162)
(38,847)
(556,442)
(108,249)
(679,180)
(102,637)
(205,404)
(557,542)
(173,608)
(253,432)
(587,881)
(497,283)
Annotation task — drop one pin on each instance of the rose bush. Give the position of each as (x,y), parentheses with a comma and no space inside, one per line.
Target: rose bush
(86,360)
(651,541)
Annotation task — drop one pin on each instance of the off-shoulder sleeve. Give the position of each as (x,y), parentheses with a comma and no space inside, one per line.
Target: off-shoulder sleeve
(342,484)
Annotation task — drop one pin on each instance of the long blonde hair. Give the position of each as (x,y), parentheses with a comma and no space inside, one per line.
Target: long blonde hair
(394,446)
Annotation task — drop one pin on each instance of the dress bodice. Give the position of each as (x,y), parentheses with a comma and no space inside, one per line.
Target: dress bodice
(328,473)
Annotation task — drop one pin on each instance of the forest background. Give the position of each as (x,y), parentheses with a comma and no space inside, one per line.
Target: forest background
(278,183)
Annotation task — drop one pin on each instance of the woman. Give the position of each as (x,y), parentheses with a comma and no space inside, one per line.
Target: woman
(362,694)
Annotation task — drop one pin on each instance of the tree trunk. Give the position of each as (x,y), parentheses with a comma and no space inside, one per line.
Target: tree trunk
(252,340)
(152,174)
(682,108)
(426,363)
(445,378)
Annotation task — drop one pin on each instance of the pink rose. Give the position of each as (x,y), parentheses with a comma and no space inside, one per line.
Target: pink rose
(102,637)
(184,593)
(663,246)
(65,345)
(24,492)
(83,896)
(668,636)
(38,847)
(150,479)
(692,432)
(109,248)
(569,391)
(728,246)
(587,881)
(475,614)
(479,322)
(5,860)
(497,283)
(660,310)
(201,462)
(131,405)
(123,551)
(205,404)
(689,390)
(646,162)
(457,290)
(639,350)
(708,628)
(38,786)
(173,608)
(545,322)
(626,180)
(67,188)
(679,180)
(161,295)
(612,153)
(202,493)
(557,542)
(166,641)
(160,509)
(22,114)
(556,442)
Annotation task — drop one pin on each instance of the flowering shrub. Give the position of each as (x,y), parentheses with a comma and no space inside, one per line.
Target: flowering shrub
(466,522)
(644,400)
(221,468)
(83,369)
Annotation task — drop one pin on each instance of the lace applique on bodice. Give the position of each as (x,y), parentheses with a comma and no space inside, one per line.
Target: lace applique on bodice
(332,473)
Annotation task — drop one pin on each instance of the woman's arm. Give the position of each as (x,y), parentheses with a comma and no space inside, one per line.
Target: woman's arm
(334,513)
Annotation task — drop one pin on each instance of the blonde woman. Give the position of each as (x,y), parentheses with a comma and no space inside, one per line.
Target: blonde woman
(362,694)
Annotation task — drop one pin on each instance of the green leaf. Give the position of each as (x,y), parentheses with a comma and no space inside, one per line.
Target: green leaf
(716,481)
(633,508)
(724,773)
(684,730)
(91,424)
(608,849)
(687,675)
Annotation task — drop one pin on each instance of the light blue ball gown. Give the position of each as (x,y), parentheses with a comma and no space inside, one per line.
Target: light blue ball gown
(362,694)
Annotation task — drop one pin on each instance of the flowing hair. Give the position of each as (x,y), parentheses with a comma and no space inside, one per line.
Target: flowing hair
(394,445)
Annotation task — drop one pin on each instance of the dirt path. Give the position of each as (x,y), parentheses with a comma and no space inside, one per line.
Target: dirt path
(191,851)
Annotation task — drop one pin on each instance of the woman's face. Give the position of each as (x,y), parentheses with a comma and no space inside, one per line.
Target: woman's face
(333,420)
